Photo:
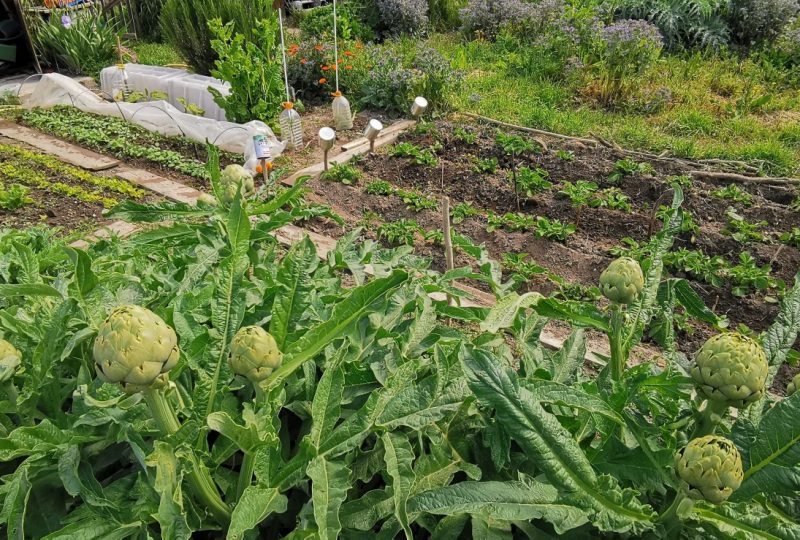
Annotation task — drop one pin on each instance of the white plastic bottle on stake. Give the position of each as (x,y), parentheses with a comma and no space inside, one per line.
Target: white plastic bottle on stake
(291,130)
(342,117)
(289,119)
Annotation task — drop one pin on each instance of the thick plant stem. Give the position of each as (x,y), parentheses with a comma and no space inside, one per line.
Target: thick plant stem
(249,461)
(670,519)
(707,419)
(618,359)
(199,478)
(11,392)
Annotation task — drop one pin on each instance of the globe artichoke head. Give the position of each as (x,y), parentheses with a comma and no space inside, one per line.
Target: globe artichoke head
(711,467)
(793,385)
(732,369)
(233,177)
(254,353)
(10,359)
(134,347)
(623,281)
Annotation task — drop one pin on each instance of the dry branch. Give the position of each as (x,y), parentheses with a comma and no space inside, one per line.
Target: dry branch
(740,178)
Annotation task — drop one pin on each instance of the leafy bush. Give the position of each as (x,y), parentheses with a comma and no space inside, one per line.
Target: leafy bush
(83,44)
(785,51)
(443,14)
(184,24)
(311,64)
(754,22)
(403,16)
(157,54)
(624,50)
(317,23)
(392,79)
(486,18)
(148,13)
(683,23)
(252,68)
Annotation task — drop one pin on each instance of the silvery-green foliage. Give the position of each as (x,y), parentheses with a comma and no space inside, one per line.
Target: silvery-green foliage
(754,22)
(403,16)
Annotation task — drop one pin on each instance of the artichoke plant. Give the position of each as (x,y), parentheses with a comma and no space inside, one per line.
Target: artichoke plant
(793,385)
(711,466)
(10,359)
(623,281)
(731,369)
(134,347)
(254,353)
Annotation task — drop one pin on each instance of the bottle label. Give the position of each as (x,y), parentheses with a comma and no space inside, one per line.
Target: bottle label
(262,147)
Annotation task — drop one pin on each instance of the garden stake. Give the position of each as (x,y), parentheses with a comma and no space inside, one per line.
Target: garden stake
(448,240)
(289,119)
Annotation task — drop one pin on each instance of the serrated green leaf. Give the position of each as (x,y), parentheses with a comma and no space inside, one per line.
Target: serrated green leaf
(772,463)
(344,314)
(399,457)
(508,501)
(326,406)
(255,505)
(505,310)
(551,447)
(330,481)
(171,515)
(568,396)
(294,282)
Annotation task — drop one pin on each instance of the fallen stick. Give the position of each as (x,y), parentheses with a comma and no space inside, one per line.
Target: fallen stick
(740,178)
(530,130)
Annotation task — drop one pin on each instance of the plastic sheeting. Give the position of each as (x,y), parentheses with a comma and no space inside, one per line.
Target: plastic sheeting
(157,116)
(175,83)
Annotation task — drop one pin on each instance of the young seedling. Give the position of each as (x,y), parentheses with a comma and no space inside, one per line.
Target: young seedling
(342,173)
(462,211)
(628,167)
(554,229)
(465,136)
(580,194)
(792,237)
(519,264)
(379,187)
(748,276)
(419,156)
(514,146)
(485,166)
(732,192)
(401,231)
(741,230)
(565,155)
(532,181)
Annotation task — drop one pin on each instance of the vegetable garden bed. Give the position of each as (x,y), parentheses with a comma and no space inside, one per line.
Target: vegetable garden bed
(39,189)
(578,208)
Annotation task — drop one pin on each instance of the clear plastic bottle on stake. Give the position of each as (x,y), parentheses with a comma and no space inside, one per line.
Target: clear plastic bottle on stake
(291,129)
(342,117)
(119,86)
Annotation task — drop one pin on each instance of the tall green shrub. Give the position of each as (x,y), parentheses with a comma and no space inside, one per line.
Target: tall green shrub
(184,24)
(148,13)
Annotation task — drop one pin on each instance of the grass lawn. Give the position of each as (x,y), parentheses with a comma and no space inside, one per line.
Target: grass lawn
(717,108)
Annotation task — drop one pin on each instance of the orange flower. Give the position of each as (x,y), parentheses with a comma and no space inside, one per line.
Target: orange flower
(323,80)
(341,60)
(303,61)
(317,47)
(259,168)
(325,68)
(348,67)
(348,53)
(359,45)
(293,49)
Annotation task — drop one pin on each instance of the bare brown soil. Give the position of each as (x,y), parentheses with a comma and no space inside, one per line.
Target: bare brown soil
(584,255)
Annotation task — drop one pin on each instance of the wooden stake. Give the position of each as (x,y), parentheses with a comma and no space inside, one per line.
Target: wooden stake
(448,240)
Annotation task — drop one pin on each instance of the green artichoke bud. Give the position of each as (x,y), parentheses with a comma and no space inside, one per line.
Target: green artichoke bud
(791,388)
(134,347)
(712,468)
(622,282)
(254,353)
(10,359)
(732,369)
(209,200)
(233,176)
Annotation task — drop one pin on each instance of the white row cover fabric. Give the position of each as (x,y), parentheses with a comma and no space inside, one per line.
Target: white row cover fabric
(175,83)
(157,116)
